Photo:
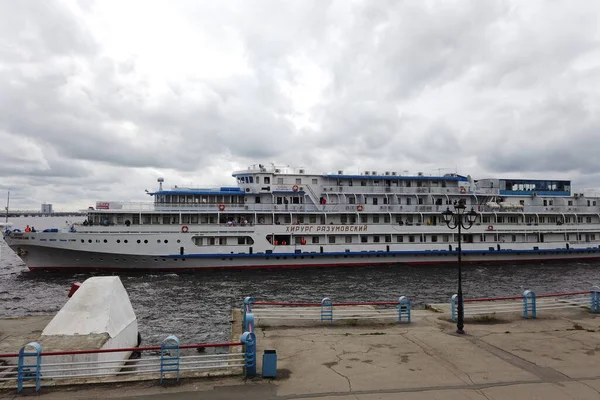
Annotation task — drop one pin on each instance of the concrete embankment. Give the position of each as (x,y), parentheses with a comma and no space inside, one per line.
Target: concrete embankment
(552,357)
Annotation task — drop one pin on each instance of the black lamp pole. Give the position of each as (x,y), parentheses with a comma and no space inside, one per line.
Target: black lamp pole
(459,219)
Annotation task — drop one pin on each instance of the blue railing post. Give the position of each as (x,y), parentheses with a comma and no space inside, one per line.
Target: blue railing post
(248,322)
(169,356)
(529,308)
(404,307)
(326,310)
(29,372)
(595,299)
(453,305)
(249,340)
(248,302)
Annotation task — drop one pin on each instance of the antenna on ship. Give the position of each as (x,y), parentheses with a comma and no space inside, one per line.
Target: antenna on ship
(7,204)
(160,182)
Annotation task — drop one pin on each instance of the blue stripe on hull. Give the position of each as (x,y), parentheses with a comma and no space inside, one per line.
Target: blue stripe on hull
(445,253)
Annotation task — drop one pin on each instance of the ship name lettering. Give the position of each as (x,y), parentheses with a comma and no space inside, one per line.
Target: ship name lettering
(327,228)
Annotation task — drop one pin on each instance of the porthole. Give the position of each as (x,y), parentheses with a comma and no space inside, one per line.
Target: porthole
(105,241)
(118,240)
(166,241)
(89,240)
(164,259)
(158,241)
(139,241)
(82,241)
(183,259)
(156,259)
(174,259)
(178,241)
(145,241)
(125,241)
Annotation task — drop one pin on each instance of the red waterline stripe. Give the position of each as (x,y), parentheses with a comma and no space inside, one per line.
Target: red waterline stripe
(125,349)
(290,266)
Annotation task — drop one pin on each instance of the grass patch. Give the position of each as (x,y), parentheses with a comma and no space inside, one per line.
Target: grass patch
(577,327)
(486,319)
(430,308)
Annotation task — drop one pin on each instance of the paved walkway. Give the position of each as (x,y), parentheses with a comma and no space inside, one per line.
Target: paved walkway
(515,359)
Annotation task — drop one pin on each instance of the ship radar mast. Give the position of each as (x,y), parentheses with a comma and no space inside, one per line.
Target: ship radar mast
(160,182)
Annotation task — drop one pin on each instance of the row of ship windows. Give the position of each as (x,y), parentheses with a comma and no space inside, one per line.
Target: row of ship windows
(346,219)
(127,241)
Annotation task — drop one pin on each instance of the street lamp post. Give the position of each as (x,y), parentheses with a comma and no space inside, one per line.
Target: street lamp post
(461,220)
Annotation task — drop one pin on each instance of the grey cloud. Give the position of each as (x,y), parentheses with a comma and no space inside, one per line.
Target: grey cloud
(499,87)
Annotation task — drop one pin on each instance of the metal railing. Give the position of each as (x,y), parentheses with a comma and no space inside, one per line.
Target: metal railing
(326,310)
(32,367)
(138,207)
(528,304)
(384,189)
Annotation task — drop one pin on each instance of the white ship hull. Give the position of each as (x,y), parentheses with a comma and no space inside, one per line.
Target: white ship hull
(66,251)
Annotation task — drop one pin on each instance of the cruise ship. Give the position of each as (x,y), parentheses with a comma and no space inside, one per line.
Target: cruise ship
(288,217)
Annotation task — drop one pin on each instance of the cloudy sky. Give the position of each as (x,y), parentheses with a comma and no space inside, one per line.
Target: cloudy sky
(99,98)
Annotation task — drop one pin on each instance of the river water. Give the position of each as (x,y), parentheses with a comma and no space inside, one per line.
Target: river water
(196,306)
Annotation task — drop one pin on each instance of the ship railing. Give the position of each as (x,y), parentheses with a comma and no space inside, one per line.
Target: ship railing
(32,367)
(269,313)
(528,303)
(383,189)
(333,207)
(538,209)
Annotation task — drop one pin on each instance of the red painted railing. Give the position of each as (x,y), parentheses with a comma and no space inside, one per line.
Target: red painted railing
(366,303)
(521,297)
(124,349)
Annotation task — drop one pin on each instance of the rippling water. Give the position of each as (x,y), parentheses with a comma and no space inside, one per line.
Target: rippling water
(197,306)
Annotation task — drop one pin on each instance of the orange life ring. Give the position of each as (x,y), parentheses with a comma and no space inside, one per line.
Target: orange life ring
(295,188)
(490,227)
(359,207)
(221,207)
(184,229)
(463,190)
